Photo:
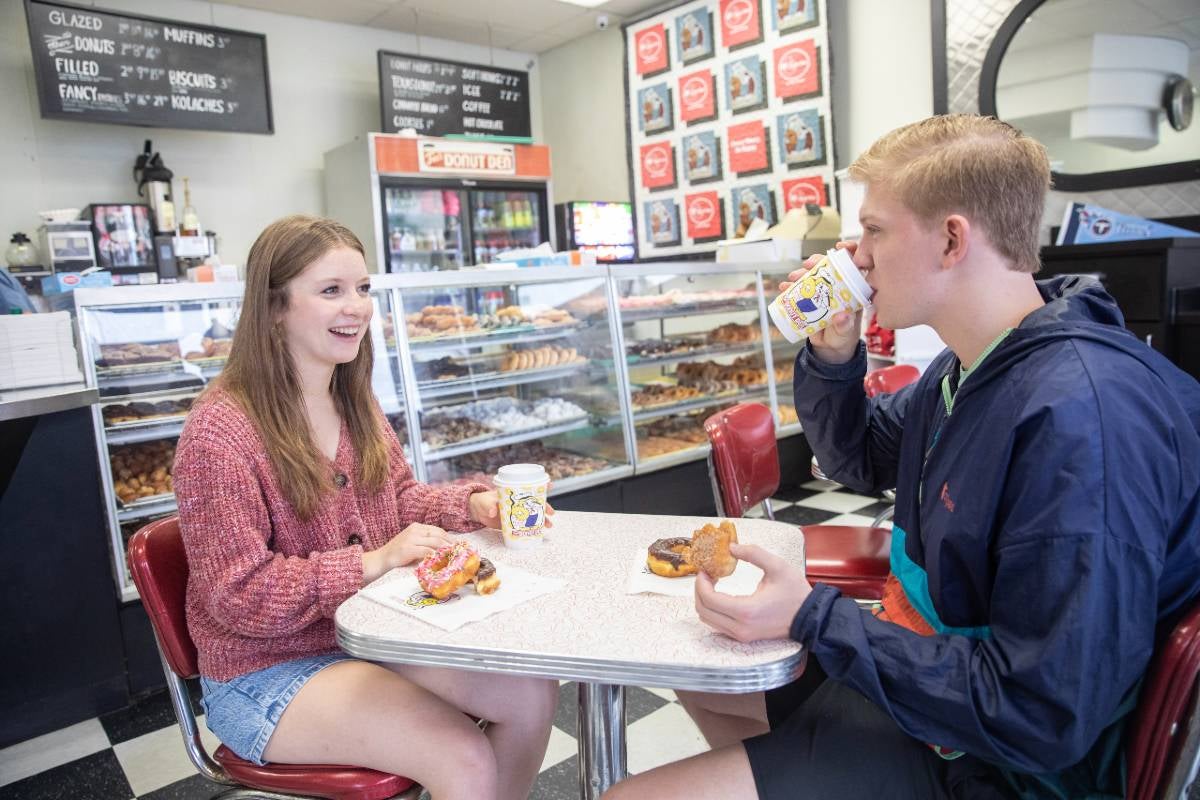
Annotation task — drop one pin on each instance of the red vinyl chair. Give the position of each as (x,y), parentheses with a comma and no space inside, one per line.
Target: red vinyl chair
(743,465)
(1162,745)
(886,380)
(160,572)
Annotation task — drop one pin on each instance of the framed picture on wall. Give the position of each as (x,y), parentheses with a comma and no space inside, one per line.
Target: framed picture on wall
(656,112)
(801,137)
(744,85)
(793,15)
(123,234)
(694,36)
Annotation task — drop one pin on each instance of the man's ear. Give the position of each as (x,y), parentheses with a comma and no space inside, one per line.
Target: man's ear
(956,231)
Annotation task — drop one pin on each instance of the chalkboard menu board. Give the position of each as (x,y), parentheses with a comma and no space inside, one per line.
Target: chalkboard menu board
(103,66)
(440,98)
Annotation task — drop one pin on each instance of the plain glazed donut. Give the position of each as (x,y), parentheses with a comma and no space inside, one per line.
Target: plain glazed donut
(447,569)
(485,579)
(671,558)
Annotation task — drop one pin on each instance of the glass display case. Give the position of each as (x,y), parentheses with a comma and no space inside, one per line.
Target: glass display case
(693,338)
(149,351)
(782,354)
(510,366)
(598,373)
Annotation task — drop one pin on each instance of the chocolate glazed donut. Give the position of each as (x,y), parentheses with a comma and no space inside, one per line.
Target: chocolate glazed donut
(671,558)
(485,579)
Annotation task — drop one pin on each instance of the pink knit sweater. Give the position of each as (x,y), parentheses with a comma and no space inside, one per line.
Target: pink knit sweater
(264,584)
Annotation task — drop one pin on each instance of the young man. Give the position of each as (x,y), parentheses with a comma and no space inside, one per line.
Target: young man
(1047,526)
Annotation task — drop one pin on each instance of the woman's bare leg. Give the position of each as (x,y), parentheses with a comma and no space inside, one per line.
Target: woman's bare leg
(716,775)
(726,719)
(519,711)
(358,713)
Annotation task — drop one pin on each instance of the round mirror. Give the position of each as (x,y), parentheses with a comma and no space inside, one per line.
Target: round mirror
(1106,85)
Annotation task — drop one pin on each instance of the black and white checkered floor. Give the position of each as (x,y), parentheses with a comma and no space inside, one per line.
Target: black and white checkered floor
(138,752)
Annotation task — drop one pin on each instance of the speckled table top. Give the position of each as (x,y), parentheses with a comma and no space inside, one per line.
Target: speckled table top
(591,630)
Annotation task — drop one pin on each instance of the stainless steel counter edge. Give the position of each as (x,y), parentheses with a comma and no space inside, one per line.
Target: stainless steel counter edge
(625,673)
(19,403)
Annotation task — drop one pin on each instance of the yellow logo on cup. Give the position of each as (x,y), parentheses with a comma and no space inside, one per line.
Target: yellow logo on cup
(524,511)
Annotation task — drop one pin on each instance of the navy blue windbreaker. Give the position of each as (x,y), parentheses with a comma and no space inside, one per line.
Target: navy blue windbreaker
(1047,529)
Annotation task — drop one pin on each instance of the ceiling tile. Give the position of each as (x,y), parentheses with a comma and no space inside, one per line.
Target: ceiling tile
(353,12)
(532,14)
(540,42)
(629,8)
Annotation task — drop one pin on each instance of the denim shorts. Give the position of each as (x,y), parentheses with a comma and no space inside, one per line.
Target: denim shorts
(244,711)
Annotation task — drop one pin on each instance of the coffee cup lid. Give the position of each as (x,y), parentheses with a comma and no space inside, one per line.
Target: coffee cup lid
(521,473)
(846,267)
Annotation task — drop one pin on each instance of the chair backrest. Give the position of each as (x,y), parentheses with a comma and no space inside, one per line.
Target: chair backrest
(1164,725)
(890,379)
(159,567)
(745,457)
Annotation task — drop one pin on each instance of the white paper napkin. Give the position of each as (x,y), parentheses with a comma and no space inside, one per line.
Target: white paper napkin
(465,605)
(743,581)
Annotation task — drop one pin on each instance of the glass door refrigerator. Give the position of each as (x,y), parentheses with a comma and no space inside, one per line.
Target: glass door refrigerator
(441,226)
(506,219)
(423,227)
(425,204)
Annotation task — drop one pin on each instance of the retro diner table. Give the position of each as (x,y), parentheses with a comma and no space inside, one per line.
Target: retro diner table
(590,631)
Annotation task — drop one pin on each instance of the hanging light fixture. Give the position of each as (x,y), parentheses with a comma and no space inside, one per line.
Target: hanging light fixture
(1106,89)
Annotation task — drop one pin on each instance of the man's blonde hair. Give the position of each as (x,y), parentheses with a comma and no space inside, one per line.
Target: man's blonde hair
(979,167)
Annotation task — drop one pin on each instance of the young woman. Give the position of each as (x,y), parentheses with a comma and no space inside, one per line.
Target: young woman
(293,493)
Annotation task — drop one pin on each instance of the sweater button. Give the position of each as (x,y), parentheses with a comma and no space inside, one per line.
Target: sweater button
(354,538)
(340,480)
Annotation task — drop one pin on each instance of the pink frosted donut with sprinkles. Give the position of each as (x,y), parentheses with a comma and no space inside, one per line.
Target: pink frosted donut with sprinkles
(447,569)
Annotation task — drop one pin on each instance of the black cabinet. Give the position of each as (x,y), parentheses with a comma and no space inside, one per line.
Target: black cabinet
(1156,282)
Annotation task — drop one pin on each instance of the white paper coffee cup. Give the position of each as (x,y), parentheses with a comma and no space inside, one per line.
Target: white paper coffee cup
(522,490)
(833,284)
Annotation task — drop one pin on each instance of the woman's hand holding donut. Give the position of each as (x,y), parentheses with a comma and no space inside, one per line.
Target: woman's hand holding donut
(411,544)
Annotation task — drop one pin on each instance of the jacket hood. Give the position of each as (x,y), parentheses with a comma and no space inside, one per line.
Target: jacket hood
(1077,307)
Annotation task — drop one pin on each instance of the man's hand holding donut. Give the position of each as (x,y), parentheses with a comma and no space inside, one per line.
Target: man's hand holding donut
(766,614)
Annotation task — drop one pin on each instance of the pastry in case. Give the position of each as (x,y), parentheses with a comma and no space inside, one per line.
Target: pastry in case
(139,411)
(133,354)
(143,470)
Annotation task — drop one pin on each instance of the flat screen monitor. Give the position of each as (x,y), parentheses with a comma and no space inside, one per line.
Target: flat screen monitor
(603,228)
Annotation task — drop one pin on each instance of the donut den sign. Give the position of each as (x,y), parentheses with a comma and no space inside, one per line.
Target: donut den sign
(801,191)
(697,101)
(796,71)
(658,165)
(703,212)
(740,23)
(477,157)
(651,48)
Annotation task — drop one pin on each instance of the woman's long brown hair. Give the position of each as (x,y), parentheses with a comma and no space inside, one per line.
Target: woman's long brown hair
(261,375)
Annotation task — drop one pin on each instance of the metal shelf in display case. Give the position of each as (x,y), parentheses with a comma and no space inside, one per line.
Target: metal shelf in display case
(514,349)
(720,304)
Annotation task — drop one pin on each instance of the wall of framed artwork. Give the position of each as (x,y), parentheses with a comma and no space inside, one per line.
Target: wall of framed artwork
(728,119)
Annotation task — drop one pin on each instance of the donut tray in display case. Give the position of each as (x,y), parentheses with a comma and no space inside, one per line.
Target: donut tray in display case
(695,339)
(502,364)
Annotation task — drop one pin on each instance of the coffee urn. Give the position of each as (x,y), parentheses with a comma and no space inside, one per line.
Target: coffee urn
(154,183)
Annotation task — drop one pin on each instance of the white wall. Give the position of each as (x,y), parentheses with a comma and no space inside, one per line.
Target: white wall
(583,95)
(324,90)
(883,78)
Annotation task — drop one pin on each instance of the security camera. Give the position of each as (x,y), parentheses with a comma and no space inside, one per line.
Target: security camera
(602,22)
